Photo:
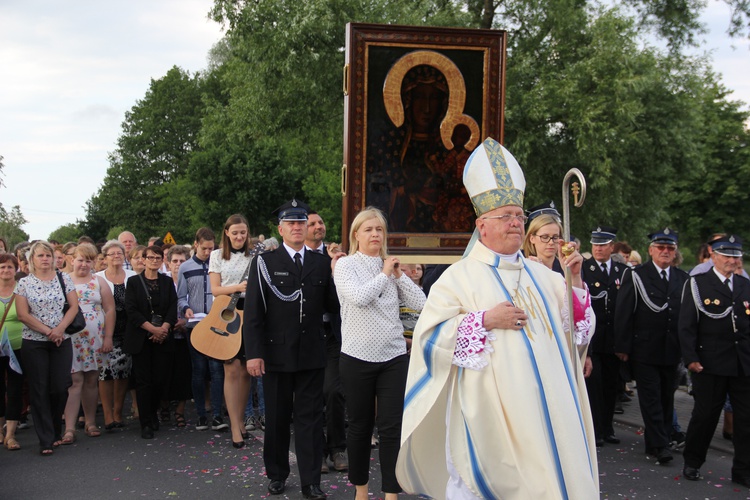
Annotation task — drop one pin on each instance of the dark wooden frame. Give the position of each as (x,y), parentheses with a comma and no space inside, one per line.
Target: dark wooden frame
(369,49)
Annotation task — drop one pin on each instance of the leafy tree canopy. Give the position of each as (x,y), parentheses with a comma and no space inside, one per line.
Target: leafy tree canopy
(11,224)
(652,129)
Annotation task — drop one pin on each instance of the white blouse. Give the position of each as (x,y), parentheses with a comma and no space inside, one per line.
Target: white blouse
(232,270)
(370,326)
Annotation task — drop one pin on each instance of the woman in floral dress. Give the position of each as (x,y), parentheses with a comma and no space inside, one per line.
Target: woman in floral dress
(90,344)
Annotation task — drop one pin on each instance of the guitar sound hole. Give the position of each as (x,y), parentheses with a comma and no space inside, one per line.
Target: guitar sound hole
(227,315)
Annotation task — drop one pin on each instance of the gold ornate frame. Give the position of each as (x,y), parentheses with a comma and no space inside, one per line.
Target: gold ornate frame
(379,57)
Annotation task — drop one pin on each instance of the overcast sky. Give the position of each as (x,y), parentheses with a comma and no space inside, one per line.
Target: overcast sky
(70,69)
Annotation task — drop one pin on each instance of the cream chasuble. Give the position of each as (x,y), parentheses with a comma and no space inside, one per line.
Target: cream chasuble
(521,427)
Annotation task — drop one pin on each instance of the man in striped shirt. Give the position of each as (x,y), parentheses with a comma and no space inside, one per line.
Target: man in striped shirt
(194,298)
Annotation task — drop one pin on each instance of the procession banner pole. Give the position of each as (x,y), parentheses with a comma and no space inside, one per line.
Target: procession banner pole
(579,195)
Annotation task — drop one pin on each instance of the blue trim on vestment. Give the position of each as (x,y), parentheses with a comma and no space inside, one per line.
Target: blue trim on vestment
(479,479)
(548,421)
(565,360)
(427,353)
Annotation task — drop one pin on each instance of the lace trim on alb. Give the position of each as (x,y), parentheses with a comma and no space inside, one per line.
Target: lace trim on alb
(471,342)
(641,289)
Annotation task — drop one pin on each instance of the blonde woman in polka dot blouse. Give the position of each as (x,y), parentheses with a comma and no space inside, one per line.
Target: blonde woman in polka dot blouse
(373,364)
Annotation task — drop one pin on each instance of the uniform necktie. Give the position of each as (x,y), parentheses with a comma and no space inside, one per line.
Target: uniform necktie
(728,283)
(604,269)
(664,275)
(298,261)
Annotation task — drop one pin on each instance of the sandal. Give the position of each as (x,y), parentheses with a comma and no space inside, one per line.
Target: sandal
(46,451)
(164,415)
(11,444)
(69,437)
(179,418)
(93,431)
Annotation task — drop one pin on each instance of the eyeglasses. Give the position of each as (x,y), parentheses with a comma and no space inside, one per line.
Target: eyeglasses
(115,254)
(154,257)
(665,248)
(507,218)
(546,237)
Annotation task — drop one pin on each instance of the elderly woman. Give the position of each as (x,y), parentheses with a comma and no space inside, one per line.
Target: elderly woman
(47,353)
(136,259)
(98,306)
(3,245)
(151,304)
(115,370)
(373,362)
(542,241)
(10,370)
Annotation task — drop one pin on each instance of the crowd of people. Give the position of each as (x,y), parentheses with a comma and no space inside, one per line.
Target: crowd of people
(489,378)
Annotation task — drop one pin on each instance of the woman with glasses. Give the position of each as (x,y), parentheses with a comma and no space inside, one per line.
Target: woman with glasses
(151,305)
(90,344)
(47,352)
(543,240)
(114,373)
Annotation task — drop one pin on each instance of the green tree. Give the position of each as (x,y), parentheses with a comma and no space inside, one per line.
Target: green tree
(159,136)
(67,232)
(718,195)
(11,225)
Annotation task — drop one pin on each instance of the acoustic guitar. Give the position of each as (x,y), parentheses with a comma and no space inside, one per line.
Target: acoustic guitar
(219,334)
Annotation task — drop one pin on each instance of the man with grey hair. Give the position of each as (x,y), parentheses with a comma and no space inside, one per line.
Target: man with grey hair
(129,242)
(494,406)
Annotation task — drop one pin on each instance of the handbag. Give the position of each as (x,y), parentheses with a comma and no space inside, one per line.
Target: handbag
(79,322)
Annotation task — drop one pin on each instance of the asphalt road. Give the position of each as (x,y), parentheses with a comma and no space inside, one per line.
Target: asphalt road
(185,463)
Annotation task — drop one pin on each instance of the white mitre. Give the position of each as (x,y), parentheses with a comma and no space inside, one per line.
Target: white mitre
(493,178)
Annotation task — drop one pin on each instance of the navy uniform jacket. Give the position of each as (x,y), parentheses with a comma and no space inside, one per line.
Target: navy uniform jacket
(721,345)
(643,334)
(603,291)
(273,329)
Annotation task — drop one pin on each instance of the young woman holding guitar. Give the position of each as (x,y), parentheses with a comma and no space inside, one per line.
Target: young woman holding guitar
(227,271)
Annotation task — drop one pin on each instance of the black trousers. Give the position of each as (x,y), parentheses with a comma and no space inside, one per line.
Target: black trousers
(47,369)
(710,392)
(602,387)
(372,388)
(335,413)
(299,393)
(656,399)
(152,369)
(13,388)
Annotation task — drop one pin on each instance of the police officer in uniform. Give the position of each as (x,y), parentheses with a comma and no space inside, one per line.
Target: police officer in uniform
(289,290)
(603,277)
(714,332)
(646,317)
